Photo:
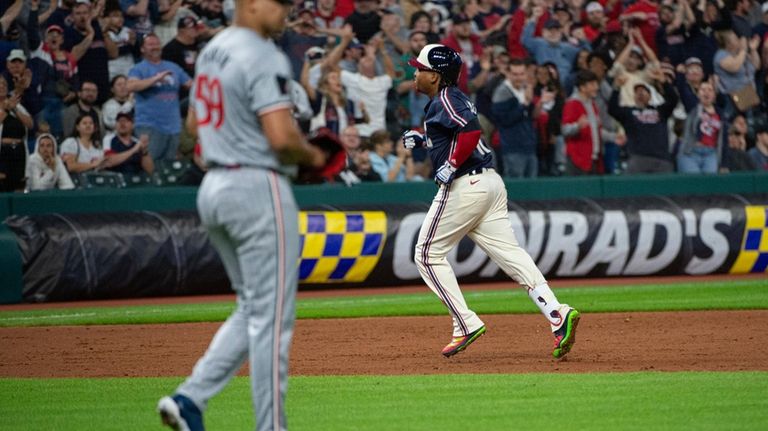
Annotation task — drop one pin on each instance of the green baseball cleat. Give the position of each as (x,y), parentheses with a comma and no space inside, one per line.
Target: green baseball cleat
(566,335)
(460,343)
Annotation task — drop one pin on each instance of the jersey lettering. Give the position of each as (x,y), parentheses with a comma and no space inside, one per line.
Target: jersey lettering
(208,91)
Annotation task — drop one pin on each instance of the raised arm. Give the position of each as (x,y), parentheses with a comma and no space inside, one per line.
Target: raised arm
(334,57)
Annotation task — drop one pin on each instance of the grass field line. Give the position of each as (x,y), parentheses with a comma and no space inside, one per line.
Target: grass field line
(112,313)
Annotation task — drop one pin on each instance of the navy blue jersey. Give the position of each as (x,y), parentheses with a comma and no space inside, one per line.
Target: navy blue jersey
(447,114)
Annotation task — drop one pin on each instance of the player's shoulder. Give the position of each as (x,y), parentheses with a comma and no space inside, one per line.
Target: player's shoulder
(244,48)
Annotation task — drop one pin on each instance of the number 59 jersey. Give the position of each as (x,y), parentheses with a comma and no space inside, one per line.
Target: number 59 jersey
(239,76)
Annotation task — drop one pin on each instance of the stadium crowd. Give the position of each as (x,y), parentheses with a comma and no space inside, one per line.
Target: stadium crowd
(561,87)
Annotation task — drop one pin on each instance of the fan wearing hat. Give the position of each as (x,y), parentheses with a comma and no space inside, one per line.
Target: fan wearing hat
(689,76)
(633,65)
(759,153)
(124,152)
(60,90)
(183,49)
(646,128)
(550,48)
(468,45)
(596,20)
(301,35)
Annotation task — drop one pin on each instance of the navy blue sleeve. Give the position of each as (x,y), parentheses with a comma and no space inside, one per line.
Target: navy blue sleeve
(455,110)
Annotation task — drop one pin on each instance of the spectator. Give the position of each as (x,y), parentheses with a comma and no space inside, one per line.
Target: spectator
(611,43)
(350,140)
(140,15)
(125,153)
(94,55)
(550,47)
(62,15)
(330,106)
(15,123)
(514,111)
(493,63)
(675,23)
(551,149)
(631,63)
(121,101)
(596,23)
(644,16)
(183,49)
(704,136)
(390,167)
(365,20)
(85,105)
(581,128)
(125,40)
(45,169)
(412,103)
(737,157)
(740,18)
(687,80)
(363,168)
(82,151)
(211,13)
(326,16)
(300,36)
(735,64)
(762,28)
(759,153)
(490,20)
(28,85)
(646,129)
(613,138)
(422,22)
(155,84)
(65,80)
(369,89)
(468,46)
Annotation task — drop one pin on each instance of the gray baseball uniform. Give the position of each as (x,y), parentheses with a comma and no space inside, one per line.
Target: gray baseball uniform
(251,217)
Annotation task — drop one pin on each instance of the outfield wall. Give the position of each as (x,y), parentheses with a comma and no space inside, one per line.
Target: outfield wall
(102,255)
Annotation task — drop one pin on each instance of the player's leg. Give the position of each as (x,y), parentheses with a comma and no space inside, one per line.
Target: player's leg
(494,234)
(449,218)
(269,254)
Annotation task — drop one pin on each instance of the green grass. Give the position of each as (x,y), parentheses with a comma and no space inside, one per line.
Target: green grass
(631,401)
(742,294)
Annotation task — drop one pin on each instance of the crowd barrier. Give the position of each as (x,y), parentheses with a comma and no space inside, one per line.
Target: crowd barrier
(672,216)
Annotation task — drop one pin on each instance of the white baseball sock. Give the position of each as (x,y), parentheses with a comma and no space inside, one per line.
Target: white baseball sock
(543,297)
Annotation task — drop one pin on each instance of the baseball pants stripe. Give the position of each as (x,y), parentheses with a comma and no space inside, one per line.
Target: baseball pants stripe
(428,268)
(280,229)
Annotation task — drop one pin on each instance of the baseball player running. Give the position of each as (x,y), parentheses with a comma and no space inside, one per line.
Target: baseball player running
(242,113)
(472,200)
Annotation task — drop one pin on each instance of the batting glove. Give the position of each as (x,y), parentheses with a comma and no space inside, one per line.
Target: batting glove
(413,139)
(445,173)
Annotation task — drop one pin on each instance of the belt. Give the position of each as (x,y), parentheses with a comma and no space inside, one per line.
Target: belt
(226,167)
(478,171)
(11,141)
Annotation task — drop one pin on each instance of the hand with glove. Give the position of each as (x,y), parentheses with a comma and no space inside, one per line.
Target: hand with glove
(413,139)
(445,173)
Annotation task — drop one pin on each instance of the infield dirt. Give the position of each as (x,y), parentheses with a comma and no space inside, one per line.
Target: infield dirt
(606,342)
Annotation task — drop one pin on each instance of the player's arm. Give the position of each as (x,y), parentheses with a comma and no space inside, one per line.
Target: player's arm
(466,141)
(288,142)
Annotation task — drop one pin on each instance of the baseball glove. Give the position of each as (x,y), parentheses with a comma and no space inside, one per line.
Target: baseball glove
(336,159)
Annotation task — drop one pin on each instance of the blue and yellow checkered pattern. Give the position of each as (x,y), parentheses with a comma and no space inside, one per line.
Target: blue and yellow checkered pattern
(754,248)
(340,246)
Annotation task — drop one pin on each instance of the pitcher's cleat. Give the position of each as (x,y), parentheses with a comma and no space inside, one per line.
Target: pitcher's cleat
(180,413)
(566,335)
(460,343)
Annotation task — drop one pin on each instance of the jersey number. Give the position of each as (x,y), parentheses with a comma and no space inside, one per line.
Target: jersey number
(208,93)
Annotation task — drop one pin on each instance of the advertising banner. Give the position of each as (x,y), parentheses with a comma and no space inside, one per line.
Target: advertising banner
(86,256)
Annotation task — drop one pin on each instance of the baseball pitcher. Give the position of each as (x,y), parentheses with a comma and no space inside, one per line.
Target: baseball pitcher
(241,110)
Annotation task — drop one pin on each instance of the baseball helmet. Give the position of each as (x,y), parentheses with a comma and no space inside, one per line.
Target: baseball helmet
(441,59)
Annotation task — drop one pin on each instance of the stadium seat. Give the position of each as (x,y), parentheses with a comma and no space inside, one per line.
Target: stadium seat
(138,180)
(92,180)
